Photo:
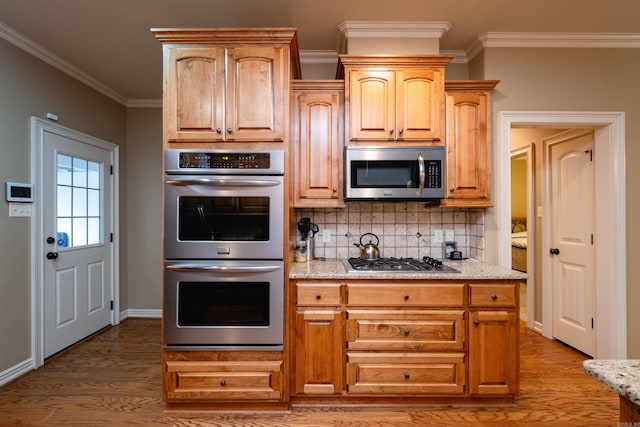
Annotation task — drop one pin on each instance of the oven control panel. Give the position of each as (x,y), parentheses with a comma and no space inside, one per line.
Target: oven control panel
(216,161)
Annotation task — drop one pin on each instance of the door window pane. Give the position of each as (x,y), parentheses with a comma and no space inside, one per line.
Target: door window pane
(79,202)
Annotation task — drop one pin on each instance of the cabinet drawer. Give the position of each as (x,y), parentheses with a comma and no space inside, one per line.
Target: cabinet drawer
(394,294)
(318,294)
(405,373)
(405,330)
(201,380)
(492,295)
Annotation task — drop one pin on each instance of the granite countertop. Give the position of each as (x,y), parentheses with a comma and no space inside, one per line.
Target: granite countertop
(621,375)
(469,270)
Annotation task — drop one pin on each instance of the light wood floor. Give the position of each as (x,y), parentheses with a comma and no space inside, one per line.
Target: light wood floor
(113,379)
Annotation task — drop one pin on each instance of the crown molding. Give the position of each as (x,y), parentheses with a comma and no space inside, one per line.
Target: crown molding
(19,40)
(394,29)
(459,56)
(555,40)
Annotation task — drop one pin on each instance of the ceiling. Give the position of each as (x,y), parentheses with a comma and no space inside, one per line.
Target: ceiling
(110,41)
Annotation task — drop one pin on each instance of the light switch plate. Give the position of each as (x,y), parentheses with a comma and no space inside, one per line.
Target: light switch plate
(437,236)
(326,235)
(19,209)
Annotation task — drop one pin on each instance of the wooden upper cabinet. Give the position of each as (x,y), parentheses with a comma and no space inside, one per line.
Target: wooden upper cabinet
(255,108)
(317,143)
(207,101)
(190,71)
(227,84)
(467,112)
(396,99)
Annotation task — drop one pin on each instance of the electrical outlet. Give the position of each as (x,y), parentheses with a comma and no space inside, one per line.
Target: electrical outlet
(449,236)
(326,235)
(437,236)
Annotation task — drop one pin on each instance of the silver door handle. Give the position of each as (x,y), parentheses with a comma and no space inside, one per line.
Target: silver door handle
(421,174)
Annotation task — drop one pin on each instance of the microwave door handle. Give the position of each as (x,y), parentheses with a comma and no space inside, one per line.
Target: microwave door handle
(421,174)
(194,268)
(223,182)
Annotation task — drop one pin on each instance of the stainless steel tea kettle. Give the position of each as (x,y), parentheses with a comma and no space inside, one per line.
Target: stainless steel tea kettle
(369,251)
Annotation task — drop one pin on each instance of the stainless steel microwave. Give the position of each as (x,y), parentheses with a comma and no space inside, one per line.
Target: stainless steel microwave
(395,173)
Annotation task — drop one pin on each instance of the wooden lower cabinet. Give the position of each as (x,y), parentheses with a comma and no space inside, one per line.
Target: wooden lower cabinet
(493,338)
(493,355)
(319,352)
(222,376)
(405,373)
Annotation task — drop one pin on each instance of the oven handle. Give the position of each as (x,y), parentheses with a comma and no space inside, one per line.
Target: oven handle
(195,268)
(224,182)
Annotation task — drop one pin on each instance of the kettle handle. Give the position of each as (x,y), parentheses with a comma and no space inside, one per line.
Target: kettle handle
(369,234)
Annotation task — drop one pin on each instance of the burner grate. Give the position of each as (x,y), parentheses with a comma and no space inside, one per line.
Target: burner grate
(427,264)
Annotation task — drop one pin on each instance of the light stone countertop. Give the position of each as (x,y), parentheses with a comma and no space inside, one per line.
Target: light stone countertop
(469,270)
(621,375)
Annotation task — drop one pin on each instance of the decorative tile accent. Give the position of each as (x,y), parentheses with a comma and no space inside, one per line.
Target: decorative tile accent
(405,229)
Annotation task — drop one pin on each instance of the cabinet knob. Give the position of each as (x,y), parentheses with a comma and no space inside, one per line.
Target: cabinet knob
(451,189)
(407,376)
(229,130)
(223,382)
(318,296)
(406,297)
(218,130)
(475,322)
(335,190)
(406,332)
(390,131)
(494,297)
(401,131)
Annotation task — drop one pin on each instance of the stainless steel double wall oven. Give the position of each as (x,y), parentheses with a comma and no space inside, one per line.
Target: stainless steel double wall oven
(223,243)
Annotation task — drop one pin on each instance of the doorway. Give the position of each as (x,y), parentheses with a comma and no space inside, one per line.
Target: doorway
(75,244)
(610,256)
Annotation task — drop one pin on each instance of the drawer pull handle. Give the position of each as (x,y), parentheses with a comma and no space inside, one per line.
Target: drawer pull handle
(475,322)
(318,296)
(223,383)
(406,332)
(406,297)
(494,297)
(406,375)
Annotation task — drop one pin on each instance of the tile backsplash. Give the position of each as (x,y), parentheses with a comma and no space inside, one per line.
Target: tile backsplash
(405,229)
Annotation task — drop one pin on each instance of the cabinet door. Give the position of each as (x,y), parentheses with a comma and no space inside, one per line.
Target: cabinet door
(467,147)
(420,105)
(493,357)
(372,103)
(319,352)
(318,160)
(255,94)
(194,94)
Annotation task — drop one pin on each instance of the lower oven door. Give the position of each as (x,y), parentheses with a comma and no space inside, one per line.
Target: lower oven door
(224,303)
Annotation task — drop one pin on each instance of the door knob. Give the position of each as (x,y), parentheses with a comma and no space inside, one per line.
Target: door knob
(52,255)
(51,240)
(554,251)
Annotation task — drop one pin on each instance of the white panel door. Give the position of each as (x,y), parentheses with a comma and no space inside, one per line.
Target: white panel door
(572,250)
(77,256)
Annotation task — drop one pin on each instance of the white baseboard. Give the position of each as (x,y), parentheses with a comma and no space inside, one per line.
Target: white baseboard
(150,314)
(16,371)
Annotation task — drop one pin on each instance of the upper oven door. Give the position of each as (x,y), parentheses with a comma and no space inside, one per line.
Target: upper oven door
(223,217)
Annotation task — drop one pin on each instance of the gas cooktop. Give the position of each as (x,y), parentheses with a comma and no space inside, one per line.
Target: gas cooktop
(426,265)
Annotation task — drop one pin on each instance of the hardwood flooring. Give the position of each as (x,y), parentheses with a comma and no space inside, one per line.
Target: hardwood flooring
(113,379)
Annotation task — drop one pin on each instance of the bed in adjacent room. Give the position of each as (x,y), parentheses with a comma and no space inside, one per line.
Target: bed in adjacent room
(519,244)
